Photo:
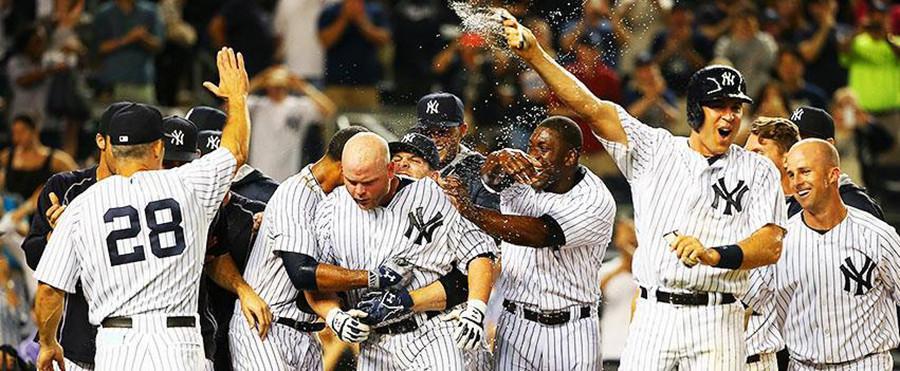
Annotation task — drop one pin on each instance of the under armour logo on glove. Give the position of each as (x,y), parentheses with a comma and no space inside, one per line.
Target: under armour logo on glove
(470,328)
(395,272)
(346,325)
(431,107)
(385,307)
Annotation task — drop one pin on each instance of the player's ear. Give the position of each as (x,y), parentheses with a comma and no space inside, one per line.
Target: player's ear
(100,141)
(572,157)
(463,129)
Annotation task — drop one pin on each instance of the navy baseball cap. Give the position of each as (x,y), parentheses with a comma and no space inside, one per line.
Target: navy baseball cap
(443,110)
(135,123)
(207,118)
(209,140)
(181,139)
(813,122)
(418,145)
(103,124)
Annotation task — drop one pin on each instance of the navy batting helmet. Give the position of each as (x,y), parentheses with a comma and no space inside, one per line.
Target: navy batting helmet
(713,83)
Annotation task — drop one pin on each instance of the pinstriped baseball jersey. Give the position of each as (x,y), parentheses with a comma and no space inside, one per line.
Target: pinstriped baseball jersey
(288,225)
(557,278)
(837,291)
(419,224)
(138,244)
(674,188)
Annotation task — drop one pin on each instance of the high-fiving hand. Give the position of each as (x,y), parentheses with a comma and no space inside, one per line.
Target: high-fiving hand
(233,80)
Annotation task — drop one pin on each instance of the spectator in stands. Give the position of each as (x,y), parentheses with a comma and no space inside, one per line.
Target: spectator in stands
(245,26)
(873,60)
(771,102)
(790,19)
(295,25)
(351,33)
(818,45)
(283,139)
(860,139)
(677,49)
(597,24)
(28,74)
(172,69)
(647,97)
(128,34)
(641,20)
(415,24)
(790,71)
(26,166)
(750,50)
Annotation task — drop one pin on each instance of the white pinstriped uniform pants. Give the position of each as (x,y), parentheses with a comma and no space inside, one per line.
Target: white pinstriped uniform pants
(150,345)
(685,337)
(527,345)
(284,348)
(876,362)
(431,347)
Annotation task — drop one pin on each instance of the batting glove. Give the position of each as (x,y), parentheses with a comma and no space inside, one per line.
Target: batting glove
(346,325)
(385,307)
(470,328)
(395,272)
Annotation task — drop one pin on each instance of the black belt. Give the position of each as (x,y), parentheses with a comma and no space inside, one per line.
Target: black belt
(696,298)
(301,326)
(125,322)
(753,359)
(546,318)
(402,327)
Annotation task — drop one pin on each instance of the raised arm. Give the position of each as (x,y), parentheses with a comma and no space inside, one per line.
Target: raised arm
(233,87)
(600,114)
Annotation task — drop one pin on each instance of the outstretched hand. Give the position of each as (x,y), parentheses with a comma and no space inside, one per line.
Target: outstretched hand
(519,38)
(233,80)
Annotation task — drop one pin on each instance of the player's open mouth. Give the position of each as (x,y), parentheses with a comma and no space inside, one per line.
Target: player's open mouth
(803,192)
(724,132)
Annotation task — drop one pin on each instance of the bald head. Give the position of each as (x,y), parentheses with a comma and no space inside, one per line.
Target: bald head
(367,169)
(817,150)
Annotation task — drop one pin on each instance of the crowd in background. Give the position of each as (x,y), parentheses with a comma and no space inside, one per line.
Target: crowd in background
(309,60)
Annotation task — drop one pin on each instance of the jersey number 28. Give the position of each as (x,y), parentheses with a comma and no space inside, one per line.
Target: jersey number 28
(134,227)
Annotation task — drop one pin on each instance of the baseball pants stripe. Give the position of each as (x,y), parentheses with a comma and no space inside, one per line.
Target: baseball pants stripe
(876,362)
(283,349)
(527,345)
(667,337)
(767,362)
(431,347)
(149,348)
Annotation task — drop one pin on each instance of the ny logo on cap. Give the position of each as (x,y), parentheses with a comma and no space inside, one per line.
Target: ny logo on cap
(408,138)
(431,107)
(798,114)
(177,137)
(213,142)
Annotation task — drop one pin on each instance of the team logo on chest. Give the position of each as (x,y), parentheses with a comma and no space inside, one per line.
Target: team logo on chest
(862,277)
(733,198)
(423,229)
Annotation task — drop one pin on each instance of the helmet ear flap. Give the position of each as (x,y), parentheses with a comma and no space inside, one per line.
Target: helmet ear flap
(695,116)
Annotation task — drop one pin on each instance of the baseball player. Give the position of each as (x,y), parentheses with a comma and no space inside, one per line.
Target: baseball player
(771,137)
(223,279)
(248,182)
(839,277)
(555,221)
(706,211)
(440,116)
(816,123)
(77,334)
(142,287)
(284,261)
(414,155)
(378,217)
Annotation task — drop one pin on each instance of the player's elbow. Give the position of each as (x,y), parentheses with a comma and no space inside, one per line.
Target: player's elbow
(301,270)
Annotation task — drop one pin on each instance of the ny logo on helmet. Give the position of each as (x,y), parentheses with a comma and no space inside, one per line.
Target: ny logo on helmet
(733,198)
(727,80)
(177,137)
(431,107)
(797,115)
(424,229)
(212,142)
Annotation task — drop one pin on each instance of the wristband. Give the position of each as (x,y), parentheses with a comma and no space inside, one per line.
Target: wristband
(730,256)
